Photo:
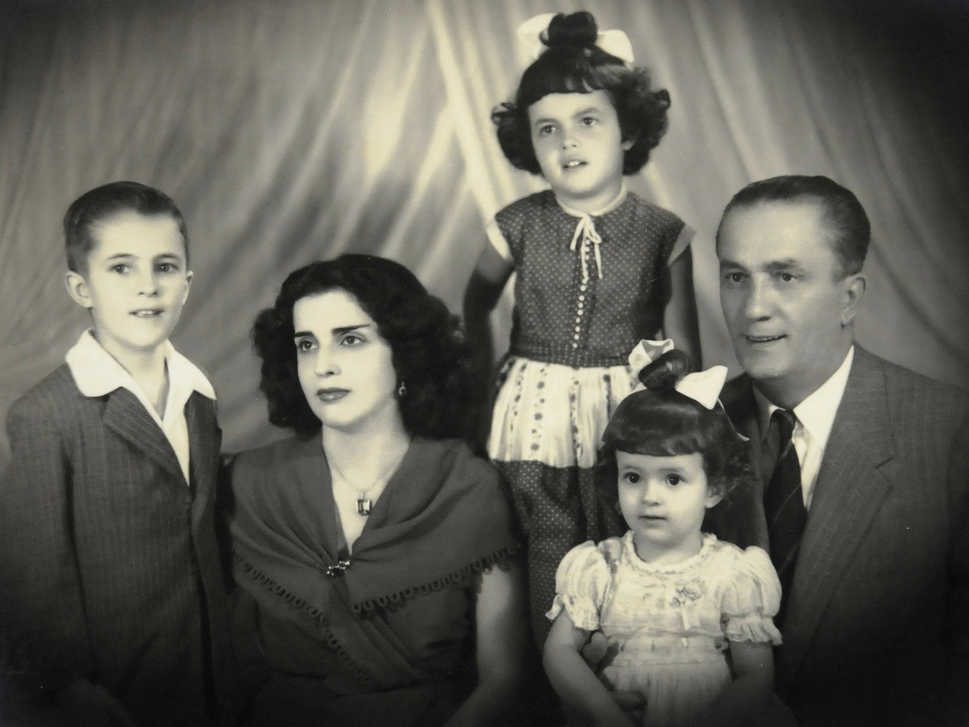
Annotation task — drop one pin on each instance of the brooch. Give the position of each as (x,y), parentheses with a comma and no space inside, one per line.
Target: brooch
(334,570)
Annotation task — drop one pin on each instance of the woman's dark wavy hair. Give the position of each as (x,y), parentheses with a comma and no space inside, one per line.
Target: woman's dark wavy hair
(660,421)
(574,63)
(429,350)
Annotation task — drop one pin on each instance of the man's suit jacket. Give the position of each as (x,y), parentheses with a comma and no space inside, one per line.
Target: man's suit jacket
(878,611)
(108,558)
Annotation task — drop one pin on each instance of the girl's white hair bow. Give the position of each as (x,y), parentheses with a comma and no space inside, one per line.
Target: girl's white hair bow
(703,386)
(614,42)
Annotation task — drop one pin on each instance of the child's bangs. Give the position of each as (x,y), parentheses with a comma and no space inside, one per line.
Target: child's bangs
(660,439)
(649,423)
(577,76)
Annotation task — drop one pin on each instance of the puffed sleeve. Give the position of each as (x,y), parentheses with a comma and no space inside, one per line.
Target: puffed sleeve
(751,598)
(581,582)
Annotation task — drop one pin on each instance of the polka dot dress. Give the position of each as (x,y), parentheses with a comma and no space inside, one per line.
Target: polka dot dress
(566,370)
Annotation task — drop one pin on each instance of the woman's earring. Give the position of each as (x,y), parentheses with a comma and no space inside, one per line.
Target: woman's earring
(401,390)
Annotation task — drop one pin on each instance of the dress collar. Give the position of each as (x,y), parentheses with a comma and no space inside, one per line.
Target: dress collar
(613,205)
(707,544)
(586,233)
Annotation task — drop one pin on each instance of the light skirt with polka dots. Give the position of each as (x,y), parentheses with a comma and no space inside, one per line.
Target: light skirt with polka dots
(554,414)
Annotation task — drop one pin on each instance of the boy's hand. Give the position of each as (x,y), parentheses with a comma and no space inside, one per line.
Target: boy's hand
(597,655)
(93,705)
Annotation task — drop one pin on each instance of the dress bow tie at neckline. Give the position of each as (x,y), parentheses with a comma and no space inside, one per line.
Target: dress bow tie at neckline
(586,230)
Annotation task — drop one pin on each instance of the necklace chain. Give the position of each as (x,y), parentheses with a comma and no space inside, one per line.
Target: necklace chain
(364,503)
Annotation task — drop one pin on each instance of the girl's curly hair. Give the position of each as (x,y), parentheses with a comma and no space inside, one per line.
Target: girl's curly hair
(662,422)
(429,351)
(574,63)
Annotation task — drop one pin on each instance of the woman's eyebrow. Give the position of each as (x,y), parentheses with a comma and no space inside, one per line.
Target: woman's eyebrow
(336,331)
(347,329)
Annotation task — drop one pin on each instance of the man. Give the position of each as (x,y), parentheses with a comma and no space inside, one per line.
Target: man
(862,483)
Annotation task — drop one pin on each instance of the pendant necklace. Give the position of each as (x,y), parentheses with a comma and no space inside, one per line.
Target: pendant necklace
(364,503)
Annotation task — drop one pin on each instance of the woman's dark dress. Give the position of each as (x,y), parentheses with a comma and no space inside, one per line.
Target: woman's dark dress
(388,639)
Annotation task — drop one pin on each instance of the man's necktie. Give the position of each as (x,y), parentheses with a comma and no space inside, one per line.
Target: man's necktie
(784,503)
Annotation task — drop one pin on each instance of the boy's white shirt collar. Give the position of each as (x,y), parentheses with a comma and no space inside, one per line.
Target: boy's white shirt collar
(97,373)
(815,418)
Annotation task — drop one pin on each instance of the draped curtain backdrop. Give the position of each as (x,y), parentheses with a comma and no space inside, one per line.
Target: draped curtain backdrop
(295,130)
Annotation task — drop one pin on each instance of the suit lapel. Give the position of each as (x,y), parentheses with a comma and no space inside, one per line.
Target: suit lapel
(205,440)
(126,417)
(847,496)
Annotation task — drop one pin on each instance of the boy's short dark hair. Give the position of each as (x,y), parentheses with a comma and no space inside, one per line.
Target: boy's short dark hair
(846,218)
(97,205)
(575,64)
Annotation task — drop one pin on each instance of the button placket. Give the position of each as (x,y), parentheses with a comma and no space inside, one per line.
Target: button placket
(580,308)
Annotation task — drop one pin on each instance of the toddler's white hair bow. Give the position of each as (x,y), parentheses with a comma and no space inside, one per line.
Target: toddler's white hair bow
(703,386)
(614,42)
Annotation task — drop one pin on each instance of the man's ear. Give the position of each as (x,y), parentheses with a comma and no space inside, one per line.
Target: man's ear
(853,293)
(77,288)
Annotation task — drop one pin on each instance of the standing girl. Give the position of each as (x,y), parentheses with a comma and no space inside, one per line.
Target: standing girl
(670,600)
(597,269)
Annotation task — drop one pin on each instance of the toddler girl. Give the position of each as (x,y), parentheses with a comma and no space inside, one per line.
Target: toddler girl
(671,600)
(597,269)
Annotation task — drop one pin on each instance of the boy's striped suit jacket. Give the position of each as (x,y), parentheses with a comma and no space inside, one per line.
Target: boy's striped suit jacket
(109,563)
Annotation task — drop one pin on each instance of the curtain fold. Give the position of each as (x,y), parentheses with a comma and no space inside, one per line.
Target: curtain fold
(296,130)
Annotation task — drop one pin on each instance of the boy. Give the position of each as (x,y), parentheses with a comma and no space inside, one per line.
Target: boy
(108,553)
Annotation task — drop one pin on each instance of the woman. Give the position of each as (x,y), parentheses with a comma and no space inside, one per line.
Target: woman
(377,549)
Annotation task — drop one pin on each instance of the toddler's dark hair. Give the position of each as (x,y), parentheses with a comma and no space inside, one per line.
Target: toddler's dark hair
(660,421)
(96,206)
(574,63)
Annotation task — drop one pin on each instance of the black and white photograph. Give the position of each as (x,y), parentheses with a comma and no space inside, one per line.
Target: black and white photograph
(527,363)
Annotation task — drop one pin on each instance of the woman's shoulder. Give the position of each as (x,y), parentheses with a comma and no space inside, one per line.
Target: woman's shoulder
(281,450)
(252,465)
(458,472)
(456,457)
